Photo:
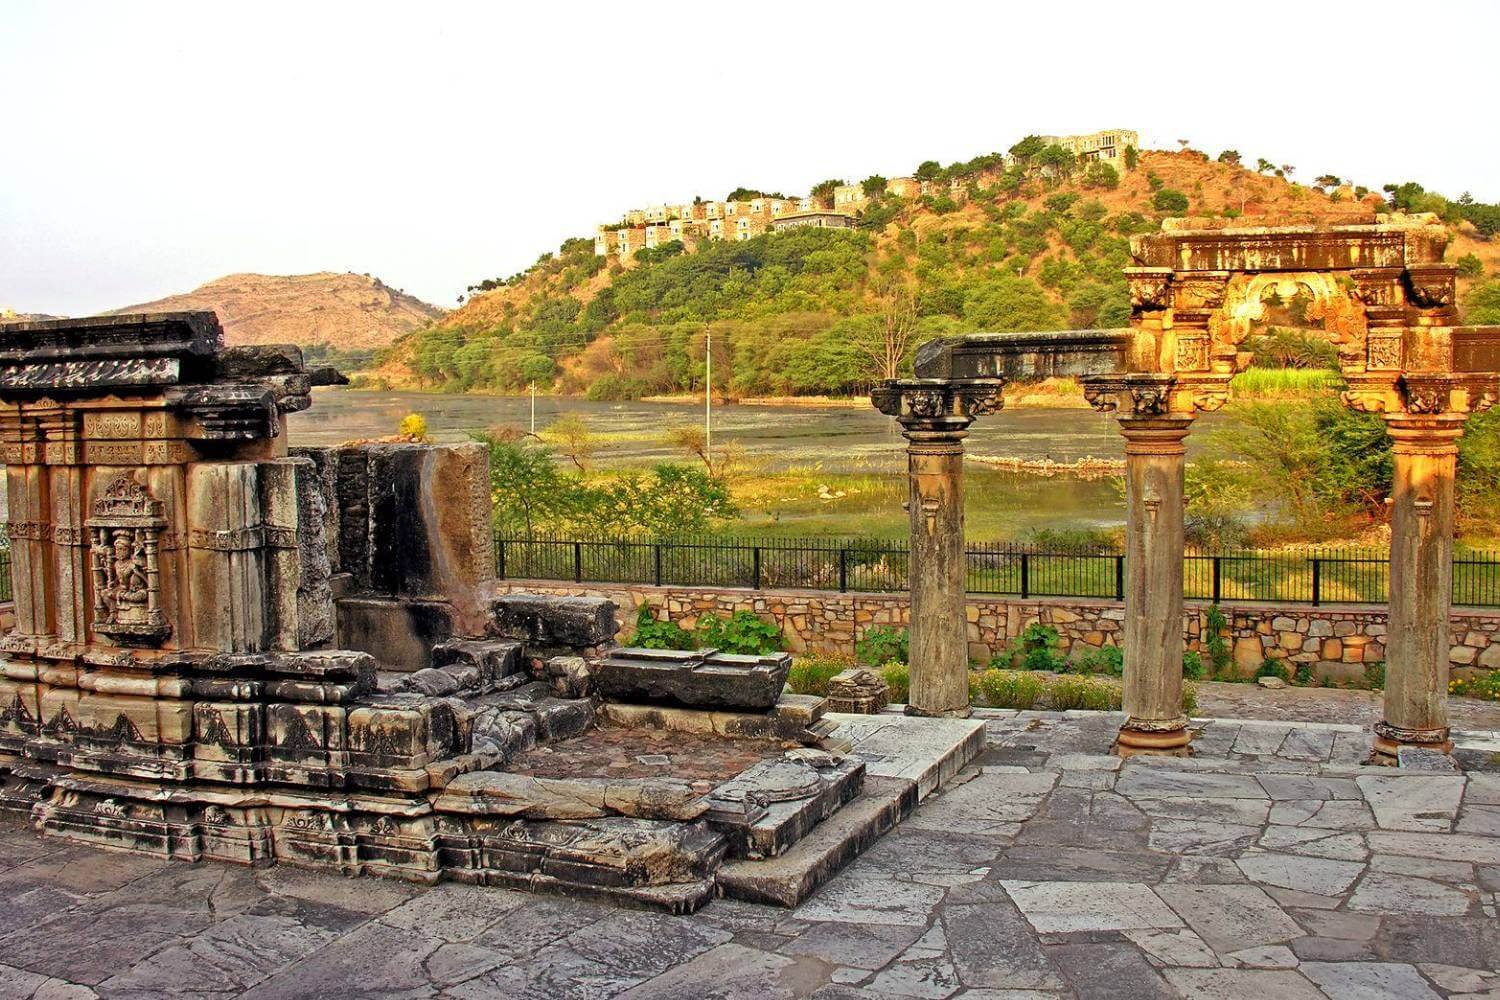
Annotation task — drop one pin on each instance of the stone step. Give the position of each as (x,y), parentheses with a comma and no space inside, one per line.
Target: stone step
(791,877)
(906,759)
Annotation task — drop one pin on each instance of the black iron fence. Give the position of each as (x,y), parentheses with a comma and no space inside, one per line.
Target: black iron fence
(1315,576)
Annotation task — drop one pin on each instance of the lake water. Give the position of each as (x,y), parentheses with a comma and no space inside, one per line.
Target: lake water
(827,440)
(838,439)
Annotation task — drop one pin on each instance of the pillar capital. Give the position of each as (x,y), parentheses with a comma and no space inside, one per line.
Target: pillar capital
(938,408)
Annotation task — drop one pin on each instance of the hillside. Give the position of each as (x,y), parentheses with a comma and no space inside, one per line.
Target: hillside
(810,311)
(346,312)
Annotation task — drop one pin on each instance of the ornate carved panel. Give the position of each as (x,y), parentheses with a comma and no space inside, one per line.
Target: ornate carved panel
(126,526)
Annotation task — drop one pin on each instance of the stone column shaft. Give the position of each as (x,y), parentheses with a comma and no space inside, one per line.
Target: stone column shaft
(1421,582)
(1154,473)
(939,643)
(935,414)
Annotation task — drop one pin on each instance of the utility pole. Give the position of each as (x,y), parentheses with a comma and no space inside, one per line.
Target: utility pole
(533,409)
(708,399)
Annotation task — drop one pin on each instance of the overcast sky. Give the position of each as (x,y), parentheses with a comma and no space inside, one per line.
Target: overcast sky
(148,147)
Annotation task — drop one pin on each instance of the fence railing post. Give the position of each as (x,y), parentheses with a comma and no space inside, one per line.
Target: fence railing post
(500,558)
(1025,576)
(577,562)
(843,570)
(755,562)
(1218,585)
(1317,581)
(656,559)
(1119,578)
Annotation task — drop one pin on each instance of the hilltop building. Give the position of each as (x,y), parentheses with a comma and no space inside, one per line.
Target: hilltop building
(657,225)
(1108,146)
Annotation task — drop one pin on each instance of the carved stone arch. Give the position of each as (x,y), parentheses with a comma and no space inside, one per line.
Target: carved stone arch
(1331,301)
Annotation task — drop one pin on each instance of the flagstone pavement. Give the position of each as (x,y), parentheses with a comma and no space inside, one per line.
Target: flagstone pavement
(1270,865)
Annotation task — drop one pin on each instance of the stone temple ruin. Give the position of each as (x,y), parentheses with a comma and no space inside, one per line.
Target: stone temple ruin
(228,650)
(1386,301)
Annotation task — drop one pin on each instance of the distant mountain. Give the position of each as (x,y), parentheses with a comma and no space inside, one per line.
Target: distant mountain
(347,312)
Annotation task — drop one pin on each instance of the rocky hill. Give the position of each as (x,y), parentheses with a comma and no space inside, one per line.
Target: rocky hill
(807,311)
(346,312)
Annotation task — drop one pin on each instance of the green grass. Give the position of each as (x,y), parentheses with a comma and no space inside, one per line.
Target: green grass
(1284,383)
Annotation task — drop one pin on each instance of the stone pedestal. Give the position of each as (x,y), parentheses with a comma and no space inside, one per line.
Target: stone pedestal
(1154,473)
(1421,583)
(935,415)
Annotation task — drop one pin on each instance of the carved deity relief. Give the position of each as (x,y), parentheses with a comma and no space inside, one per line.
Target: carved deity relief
(125,528)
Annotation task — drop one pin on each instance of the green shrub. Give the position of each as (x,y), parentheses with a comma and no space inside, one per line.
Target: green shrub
(1375,676)
(1006,688)
(1484,686)
(653,634)
(898,677)
(883,644)
(1304,675)
(1192,665)
(1190,698)
(1168,200)
(1093,693)
(810,674)
(742,632)
(1104,660)
(1037,648)
(1218,647)
(1274,668)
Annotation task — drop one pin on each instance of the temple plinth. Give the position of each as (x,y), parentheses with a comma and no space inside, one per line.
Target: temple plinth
(935,415)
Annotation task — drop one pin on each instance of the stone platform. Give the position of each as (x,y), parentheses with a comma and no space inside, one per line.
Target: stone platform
(1271,864)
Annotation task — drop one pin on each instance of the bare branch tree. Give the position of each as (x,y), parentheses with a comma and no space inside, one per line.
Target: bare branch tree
(898,324)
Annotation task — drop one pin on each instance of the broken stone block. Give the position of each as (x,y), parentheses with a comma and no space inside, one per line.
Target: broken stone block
(503,732)
(494,658)
(577,622)
(859,690)
(1414,758)
(570,676)
(703,678)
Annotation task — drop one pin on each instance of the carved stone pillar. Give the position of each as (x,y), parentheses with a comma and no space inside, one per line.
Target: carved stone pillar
(935,415)
(1421,583)
(1155,446)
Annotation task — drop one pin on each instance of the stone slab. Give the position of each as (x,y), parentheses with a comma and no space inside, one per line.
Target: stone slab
(926,751)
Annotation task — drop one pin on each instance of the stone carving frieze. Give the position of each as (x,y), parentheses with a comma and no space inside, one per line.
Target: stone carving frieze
(1150,287)
(126,526)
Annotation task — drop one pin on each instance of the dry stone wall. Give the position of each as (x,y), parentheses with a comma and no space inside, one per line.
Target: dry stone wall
(1337,640)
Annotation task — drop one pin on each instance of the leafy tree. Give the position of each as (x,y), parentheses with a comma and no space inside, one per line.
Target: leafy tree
(1099,174)
(1264,166)
(928,170)
(1168,200)
(1132,157)
(1027,149)
(1470,266)
(571,435)
(873,185)
(823,191)
(1008,303)
(1326,181)
(668,500)
(530,493)
(1231,157)
(1059,158)
(1482,307)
